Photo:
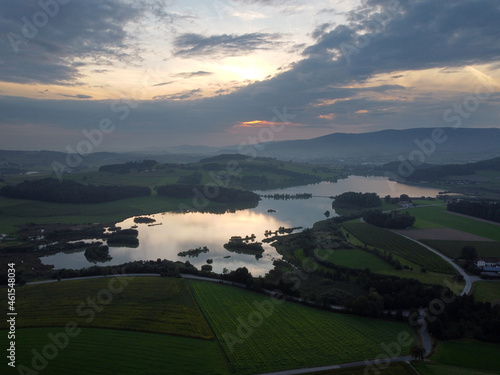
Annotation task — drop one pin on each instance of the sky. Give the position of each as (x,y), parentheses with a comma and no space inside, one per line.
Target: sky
(127,75)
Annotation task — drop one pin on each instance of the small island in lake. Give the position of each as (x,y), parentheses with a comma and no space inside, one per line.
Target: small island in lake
(241,245)
(97,253)
(144,220)
(193,252)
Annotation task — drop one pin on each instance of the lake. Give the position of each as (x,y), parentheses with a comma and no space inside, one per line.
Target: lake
(175,232)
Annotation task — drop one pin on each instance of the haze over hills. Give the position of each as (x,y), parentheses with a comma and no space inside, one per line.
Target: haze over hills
(448,146)
(457,145)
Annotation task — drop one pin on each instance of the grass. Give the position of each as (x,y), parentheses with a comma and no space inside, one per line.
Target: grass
(106,351)
(437,369)
(486,291)
(398,245)
(397,368)
(286,335)
(468,354)
(16,212)
(438,217)
(358,259)
(453,249)
(351,258)
(161,305)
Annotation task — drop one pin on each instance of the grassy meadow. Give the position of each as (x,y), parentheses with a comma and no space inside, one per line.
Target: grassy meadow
(398,246)
(277,336)
(486,291)
(109,351)
(462,357)
(438,217)
(453,249)
(149,304)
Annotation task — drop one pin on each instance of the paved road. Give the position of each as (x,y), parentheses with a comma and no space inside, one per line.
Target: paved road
(372,364)
(468,279)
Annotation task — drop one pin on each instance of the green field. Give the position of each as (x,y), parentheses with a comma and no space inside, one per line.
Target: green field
(437,369)
(107,351)
(16,212)
(358,259)
(438,217)
(351,258)
(288,335)
(486,291)
(149,304)
(468,354)
(453,249)
(397,368)
(398,246)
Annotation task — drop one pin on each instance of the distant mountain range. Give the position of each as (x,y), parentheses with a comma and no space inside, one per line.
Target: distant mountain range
(456,146)
(441,146)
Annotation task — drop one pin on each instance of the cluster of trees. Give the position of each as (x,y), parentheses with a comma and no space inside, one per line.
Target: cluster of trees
(238,245)
(483,210)
(126,168)
(67,191)
(144,220)
(352,199)
(433,173)
(193,252)
(224,195)
(465,318)
(98,253)
(396,200)
(391,220)
(124,237)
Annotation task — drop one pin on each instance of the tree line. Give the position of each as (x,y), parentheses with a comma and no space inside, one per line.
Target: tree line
(218,194)
(480,209)
(391,220)
(125,168)
(350,199)
(68,191)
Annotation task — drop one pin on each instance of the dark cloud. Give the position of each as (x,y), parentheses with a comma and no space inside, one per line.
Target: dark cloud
(413,35)
(197,45)
(329,81)
(163,83)
(47,44)
(79,96)
(199,73)
(188,94)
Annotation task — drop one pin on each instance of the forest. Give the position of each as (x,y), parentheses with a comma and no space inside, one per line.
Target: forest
(216,194)
(483,210)
(390,220)
(68,191)
(125,168)
(352,199)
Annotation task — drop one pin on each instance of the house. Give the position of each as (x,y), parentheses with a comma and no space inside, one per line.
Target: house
(405,204)
(481,263)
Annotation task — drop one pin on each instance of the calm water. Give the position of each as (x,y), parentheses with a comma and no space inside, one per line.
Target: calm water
(180,232)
